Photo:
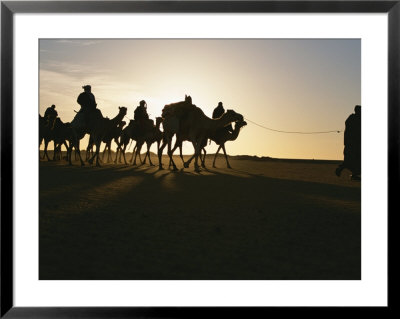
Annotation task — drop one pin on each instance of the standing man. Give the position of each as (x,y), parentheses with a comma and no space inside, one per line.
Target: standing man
(352,145)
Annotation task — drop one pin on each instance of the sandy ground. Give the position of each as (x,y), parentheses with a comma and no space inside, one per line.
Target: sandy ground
(260,220)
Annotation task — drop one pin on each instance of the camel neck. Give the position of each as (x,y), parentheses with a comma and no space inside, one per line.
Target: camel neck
(235,133)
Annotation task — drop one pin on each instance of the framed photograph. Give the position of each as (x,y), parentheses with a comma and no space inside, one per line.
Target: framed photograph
(129,211)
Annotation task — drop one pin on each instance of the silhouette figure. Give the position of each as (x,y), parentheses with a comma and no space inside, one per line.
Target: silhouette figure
(141,111)
(86,120)
(352,145)
(218,111)
(86,99)
(51,112)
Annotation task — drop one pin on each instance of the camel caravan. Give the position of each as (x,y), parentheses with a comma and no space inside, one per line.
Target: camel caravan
(182,120)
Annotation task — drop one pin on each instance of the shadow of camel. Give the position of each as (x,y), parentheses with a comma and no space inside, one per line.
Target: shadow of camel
(128,224)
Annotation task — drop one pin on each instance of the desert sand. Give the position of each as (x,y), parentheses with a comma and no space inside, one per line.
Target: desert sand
(263,219)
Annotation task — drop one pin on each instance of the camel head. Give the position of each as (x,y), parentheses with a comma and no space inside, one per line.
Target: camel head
(240,124)
(233,116)
(123,110)
(158,121)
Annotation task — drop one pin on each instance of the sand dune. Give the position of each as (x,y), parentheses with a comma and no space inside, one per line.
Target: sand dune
(263,219)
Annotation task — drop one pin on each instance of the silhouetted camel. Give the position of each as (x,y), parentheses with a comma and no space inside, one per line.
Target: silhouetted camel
(62,136)
(58,132)
(151,136)
(113,134)
(220,137)
(131,132)
(103,127)
(192,123)
(48,134)
(96,125)
(171,116)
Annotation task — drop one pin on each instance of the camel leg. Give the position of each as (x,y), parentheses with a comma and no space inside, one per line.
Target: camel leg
(109,158)
(133,152)
(196,156)
(187,163)
(160,150)
(148,153)
(215,156)
(96,154)
(177,144)
(170,157)
(145,157)
(67,147)
(203,164)
(77,149)
(104,151)
(116,155)
(46,143)
(173,150)
(98,144)
(226,157)
(138,150)
(123,153)
(55,150)
(136,153)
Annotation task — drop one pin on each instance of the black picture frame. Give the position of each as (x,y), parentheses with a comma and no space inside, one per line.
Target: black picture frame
(9,8)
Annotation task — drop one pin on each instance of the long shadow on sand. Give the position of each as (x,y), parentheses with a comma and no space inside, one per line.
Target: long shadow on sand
(122,223)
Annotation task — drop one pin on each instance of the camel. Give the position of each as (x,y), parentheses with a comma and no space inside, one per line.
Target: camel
(194,125)
(48,134)
(102,128)
(151,136)
(223,136)
(59,133)
(113,134)
(97,126)
(131,132)
(62,135)
(220,137)
(171,116)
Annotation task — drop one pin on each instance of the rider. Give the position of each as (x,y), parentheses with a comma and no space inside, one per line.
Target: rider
(50,113)
(87,100)
(141,111)
(88,105)
(218,112)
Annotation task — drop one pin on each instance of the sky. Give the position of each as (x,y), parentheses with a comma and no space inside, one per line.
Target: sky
(295,85)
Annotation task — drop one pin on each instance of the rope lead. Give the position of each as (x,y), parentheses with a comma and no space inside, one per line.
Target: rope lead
(279,131)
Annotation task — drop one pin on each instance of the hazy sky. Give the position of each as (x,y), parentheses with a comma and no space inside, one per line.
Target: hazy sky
(290,85)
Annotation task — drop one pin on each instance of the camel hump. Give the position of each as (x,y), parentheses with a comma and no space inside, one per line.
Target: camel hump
(178,110)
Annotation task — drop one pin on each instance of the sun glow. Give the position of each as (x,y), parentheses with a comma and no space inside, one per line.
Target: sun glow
(292,85)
